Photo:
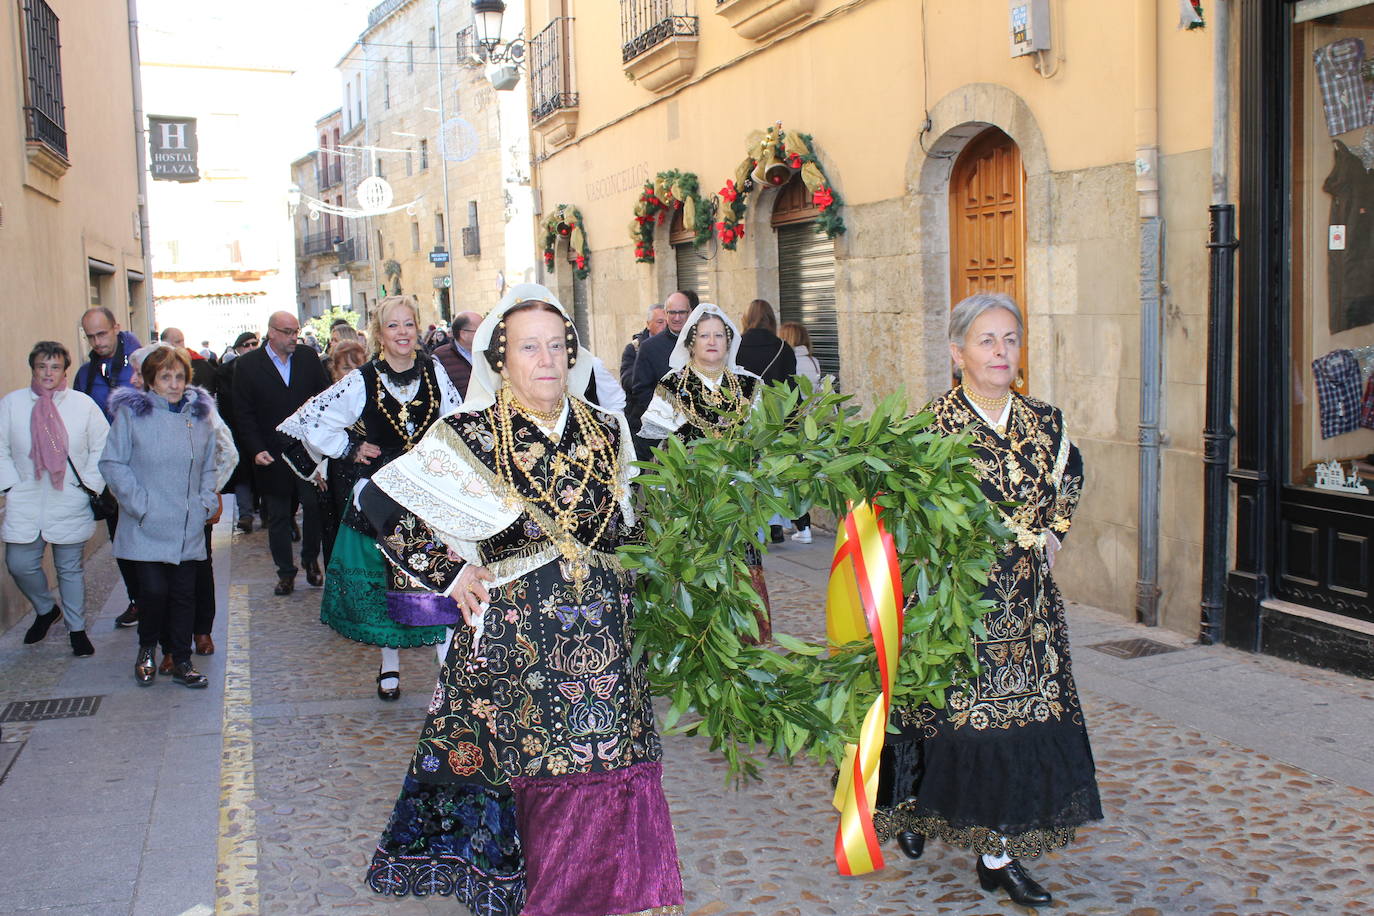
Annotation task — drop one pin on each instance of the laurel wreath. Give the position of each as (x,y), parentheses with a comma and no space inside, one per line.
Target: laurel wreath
(702,503)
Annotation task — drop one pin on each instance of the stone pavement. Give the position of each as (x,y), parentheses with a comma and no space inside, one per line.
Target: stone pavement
(1232,784)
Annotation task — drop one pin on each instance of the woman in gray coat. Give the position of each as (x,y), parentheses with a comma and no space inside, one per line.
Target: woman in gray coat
(159,463)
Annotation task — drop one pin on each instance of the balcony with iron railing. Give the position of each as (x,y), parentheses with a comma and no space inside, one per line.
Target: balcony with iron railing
(553,89)
(658,41)
(319,244)
(45,122)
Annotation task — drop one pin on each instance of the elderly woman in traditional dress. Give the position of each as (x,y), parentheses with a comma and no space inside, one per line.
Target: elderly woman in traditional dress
(369,417)
(707,394)
(1004,769)
(536,788)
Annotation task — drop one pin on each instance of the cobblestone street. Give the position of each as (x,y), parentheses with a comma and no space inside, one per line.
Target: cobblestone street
(1230,783)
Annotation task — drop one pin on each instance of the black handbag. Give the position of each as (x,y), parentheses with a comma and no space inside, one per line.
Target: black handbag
(103,504)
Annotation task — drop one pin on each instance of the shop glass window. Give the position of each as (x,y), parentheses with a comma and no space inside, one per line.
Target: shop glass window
(1331,391)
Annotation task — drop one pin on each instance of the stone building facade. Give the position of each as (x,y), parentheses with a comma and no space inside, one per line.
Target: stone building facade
(1075,177)
(70,233)
(418,113)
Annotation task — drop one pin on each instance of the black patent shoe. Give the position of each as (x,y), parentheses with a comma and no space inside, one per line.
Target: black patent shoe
(913,844)
(186,675)
(39,628)
(1012,878)
(392,694)
(145,669)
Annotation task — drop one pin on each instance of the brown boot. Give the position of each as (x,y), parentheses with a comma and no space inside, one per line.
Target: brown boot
(764,617)
(166,667)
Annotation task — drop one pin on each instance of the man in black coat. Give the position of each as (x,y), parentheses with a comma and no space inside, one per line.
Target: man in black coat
(271,383)
(654,322)
(652,362)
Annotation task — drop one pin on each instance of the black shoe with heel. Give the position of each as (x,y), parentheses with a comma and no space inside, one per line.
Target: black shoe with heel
(392,694)
(1012,878)
(39,628)
(186,675)
(145,668)
(912,844)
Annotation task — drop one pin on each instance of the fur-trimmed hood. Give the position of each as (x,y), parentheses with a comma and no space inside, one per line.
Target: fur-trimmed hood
(142,403)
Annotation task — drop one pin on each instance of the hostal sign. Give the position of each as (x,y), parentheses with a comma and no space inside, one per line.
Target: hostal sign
(172,149)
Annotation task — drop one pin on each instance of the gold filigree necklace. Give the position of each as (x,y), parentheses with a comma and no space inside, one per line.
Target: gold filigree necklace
(401,421)
(596,460)
(731,407)
(991,407)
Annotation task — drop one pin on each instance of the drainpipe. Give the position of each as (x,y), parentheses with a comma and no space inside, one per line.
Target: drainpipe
(141,157)
(1217,434)
(1151,325)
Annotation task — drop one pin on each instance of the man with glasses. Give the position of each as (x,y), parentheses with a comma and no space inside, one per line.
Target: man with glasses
(241,484)
(270,384)
(456,355)
(652,362)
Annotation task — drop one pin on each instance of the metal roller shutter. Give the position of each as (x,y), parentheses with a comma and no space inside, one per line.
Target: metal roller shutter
(806,290)
(691,271)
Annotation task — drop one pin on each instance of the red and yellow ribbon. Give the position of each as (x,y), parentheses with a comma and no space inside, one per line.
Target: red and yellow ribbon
(865,598)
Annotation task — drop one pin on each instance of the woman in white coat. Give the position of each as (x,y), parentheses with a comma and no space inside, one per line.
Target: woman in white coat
(51,438)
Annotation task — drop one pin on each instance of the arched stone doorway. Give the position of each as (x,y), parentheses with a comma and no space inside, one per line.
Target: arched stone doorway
(987,225)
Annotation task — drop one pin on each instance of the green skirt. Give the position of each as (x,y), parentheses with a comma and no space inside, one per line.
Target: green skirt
(354,601)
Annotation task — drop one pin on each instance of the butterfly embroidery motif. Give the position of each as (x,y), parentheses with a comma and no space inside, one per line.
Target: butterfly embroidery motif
(567,614)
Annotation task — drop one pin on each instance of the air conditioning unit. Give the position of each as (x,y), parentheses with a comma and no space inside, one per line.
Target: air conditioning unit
(472,242)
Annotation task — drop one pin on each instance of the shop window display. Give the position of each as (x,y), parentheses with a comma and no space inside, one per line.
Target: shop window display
(1332,333)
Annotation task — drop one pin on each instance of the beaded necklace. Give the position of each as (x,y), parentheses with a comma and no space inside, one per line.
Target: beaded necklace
(732,407)
(595,458)
(401,420)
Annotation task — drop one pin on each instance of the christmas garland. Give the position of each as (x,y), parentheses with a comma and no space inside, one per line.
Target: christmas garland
(566,222)
(773,159)
(803,448)
(669,191)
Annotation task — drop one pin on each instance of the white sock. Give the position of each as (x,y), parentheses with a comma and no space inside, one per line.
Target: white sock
(995,862)
(441,649)
(391,661)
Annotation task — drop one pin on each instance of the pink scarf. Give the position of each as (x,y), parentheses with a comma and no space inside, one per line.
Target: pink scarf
(49,435)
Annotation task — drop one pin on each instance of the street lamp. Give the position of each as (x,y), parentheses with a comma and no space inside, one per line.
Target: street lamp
(487,15)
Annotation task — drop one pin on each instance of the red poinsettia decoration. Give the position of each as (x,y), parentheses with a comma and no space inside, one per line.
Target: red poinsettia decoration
(796,161)
(823,198)
(581,262)
(729,192)
(548,258)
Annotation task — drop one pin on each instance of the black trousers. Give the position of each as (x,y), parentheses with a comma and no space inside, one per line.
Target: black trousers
(166,606)
(281,508)
(205,591)
(128,569)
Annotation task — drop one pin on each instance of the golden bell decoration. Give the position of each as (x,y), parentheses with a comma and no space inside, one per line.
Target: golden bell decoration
(777,174)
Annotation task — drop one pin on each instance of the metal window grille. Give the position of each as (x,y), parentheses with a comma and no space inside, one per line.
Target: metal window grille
(552,86)
(646,23)
(424,155)
(44,113)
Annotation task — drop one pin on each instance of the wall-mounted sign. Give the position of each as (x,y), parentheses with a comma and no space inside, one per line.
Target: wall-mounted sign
(172,149)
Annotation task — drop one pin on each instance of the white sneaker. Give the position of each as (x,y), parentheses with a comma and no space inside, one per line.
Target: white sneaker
(803,536)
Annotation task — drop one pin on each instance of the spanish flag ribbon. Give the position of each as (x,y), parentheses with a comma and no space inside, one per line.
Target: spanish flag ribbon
(865,600)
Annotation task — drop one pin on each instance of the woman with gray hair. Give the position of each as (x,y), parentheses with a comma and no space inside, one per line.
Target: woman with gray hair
(50,442)
(1004,768)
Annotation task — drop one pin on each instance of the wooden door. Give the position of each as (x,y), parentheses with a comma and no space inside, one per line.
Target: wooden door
(987,226)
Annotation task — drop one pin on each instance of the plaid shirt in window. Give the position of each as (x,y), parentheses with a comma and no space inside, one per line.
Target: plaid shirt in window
(1345,97)
(1337,376)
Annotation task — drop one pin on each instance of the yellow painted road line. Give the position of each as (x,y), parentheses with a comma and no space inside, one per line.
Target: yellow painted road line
(236,885)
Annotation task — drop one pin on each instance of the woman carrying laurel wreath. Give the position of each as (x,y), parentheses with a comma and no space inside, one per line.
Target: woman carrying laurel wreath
(1005,768)
(536,788)
(707,394)
(368,418)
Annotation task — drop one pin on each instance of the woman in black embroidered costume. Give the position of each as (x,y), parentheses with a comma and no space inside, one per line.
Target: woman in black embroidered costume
(706,393)
(369,417)
(536,787)
(1005,769)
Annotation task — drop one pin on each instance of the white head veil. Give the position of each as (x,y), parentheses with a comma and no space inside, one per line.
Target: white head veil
(681,355)
(486,381)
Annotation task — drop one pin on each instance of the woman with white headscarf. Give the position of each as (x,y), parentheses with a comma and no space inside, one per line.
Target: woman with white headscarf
(536,787)
(707,394)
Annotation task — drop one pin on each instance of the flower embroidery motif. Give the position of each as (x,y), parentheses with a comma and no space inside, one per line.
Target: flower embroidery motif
(436,702)
(483,709)
(429,763)
(466,759)
(532,744)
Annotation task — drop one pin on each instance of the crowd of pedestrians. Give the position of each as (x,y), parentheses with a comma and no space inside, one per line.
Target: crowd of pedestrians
(474,478)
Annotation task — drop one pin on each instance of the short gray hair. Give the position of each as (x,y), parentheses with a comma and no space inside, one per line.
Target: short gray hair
(966,313)
(649,315)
